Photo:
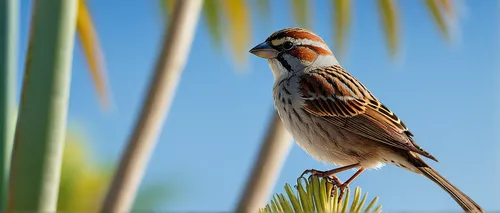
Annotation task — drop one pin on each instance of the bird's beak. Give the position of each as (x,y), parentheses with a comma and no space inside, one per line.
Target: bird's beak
(264,50)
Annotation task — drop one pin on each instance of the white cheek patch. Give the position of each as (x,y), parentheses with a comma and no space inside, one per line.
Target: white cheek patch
(279,72)
(325,60)
(296,63)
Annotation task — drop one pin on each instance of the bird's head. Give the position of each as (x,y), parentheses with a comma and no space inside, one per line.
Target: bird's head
(293,50)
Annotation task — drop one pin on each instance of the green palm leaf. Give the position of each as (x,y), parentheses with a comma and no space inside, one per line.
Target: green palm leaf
(211,11)
(435,7)
(342,18)
(239,27)
(92,51)
(389,17)
(313,195)
(301,12)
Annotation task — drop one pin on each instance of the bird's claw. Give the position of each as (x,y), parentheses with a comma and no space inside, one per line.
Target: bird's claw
(313,172)
(332,179)
(341,188)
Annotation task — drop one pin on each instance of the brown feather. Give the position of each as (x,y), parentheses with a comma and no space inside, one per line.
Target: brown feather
(333,94)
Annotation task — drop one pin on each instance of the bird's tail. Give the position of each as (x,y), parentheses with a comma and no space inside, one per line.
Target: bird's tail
(462,199)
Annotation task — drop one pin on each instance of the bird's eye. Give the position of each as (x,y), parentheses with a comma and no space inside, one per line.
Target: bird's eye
(287,45)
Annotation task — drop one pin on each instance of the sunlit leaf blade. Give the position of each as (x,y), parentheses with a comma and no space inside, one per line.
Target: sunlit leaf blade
(92,50)
(293,199)
(448,8)
(301,12)
(211,11)
(239,25)
(342,19)
(314,197)
(370,206)
(389,16)
(434,8)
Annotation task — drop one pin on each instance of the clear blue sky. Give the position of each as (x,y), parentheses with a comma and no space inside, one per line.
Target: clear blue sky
(446,94)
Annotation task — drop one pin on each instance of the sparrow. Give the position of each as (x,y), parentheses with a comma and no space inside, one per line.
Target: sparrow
(334,118)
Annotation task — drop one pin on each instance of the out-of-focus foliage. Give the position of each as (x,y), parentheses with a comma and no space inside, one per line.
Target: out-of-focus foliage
(92,50)
(314,196)
(342,19)
(301,12)
(84,180)
(211,11)
(239,27)
(237,12)
(388,12)
(443,14)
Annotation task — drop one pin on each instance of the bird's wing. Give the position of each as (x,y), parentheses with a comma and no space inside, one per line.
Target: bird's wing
(334,95)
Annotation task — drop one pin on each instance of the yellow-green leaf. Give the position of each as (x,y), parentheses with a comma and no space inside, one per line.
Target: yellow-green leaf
(211,10)
(239,26)
(92,50)
(342,10)
(370,206)
(293,199)
(448,8)
(83,182)
(389,16)
(434,8)
(315,197)
(301,12)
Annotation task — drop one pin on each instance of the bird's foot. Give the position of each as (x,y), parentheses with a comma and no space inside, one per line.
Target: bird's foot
(332,179)
(341,188)
(315,172)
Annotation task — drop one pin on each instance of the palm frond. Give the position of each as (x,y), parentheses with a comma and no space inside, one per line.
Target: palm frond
(93,53)
(239,27)
(301,12)
(435,7)
(389,17)
(448,8)
(211,12)
(313,195)
(342,18)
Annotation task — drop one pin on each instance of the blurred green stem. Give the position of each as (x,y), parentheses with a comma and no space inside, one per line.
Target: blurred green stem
(8,54)
(170,64)
(41,127)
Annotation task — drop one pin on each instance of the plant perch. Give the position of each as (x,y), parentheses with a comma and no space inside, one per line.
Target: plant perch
(312,195)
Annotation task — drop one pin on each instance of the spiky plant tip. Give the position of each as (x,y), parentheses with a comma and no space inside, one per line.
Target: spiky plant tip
(314,195)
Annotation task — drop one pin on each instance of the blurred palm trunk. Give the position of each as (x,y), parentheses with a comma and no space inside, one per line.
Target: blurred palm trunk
(9,10)
(267,168)
(171,62)
(40,131)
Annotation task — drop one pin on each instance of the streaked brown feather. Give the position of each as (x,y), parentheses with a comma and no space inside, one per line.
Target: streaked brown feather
(333,94)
